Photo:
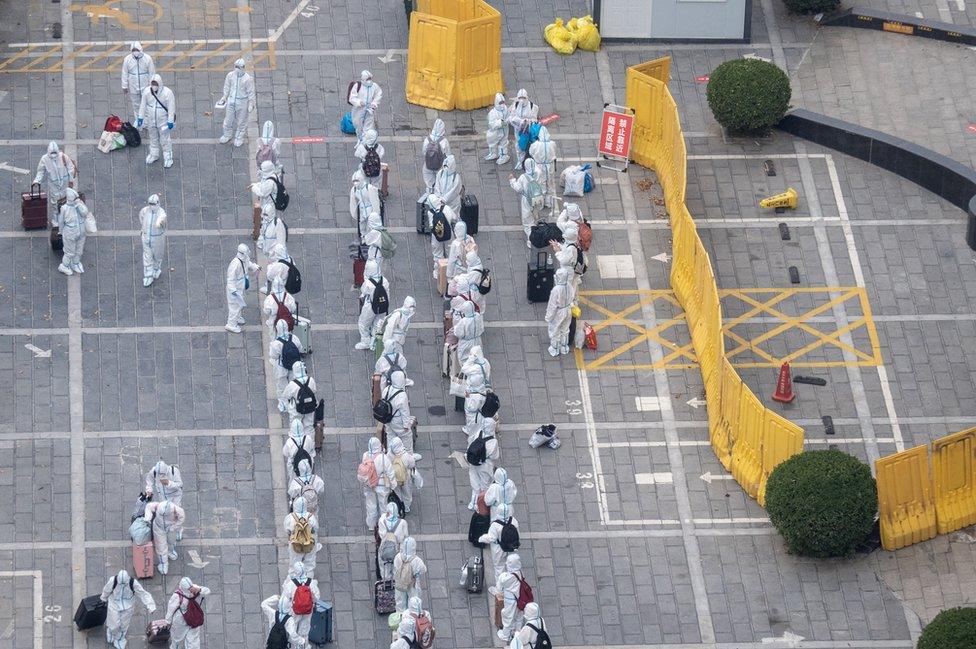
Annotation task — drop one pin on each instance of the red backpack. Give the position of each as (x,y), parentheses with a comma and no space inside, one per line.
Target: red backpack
(283,314)
(525,595)
(193,615)
(301,603)
(113,124)
(424,631)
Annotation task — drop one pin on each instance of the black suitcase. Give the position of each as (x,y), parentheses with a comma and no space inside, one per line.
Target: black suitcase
(458,404)
(91,613)
(540,277)
(423,227)
(469,213)
(320,631)
(57,242)
(474,574)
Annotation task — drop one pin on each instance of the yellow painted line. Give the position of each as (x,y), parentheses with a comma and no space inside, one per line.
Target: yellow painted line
(30,66)
(198,65)
(16,56)
(169,67)
(87,67)
(57,67)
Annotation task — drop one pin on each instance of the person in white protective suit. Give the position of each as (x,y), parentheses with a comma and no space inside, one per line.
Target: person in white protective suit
(468,329)
(402,424)
(291,393)
(299,444)
(375,297)
(278,266)
(444,215)
(480,476)
(167,530)
(390,360)
(501,490)
(120,593)
(364,199)
(408,571)
(269,148)
(570,213)
(434,152)
(558,312)
(508,584)
(276,356)
(570,255)
(368,145)
(448,184)
(543,151)
(497,134)
(277,296)
(182,636)
(164,482)
(299,577)
(158,112)
(152,220)
(474,399)
(521,116)
(404,464)
(405,633)
(58,170)
(299,511)
(477,365)
(238,101)
(397,325)
(75,221)
(275,608)
(265,189)
(415,611)
(392,531)
(373,240)
(238,272)
(457,255)
(531,196)
(137,69)
(375,496)
(365,98)
(467,284)
(492,538)
(305,484)
(534,623)
(273,231)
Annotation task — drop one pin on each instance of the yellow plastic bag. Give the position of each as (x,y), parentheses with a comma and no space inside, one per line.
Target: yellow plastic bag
(586,33)
(560,38)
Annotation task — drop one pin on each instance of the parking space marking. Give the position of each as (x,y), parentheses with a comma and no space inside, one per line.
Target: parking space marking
(38,600)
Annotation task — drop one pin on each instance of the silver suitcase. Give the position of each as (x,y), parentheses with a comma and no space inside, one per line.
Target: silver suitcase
(303,331)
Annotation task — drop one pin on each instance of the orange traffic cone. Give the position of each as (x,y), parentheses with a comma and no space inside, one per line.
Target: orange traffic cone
(784,385)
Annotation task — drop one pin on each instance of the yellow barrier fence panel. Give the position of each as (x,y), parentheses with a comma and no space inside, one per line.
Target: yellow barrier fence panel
(456,10)
(747,448)
(782,439)
(479,65)
(724,439)
(644,97)
(905,503)
(955,482)
(431,61)
(659,69)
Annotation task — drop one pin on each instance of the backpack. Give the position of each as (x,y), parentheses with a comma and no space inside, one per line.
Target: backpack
(580,267)
(525,595)
(293,281)
(366,474)
(306,491)
(113,124)
(404,578)
(289,353)
(281,197)
(131,134)
(542,639)
(490,407)
(539,235)
(380,302)
(484,284)
(300,454)
(115,583)
(388,548)
(433,156)
(388,245)
(534,192)
(392,497)
(278,635)
(412,642)
(424,629)
(440,228)
(301,538)
(585,237)
(283,314)
(400,471)
(265,153)
(301,602)
(193,615)
(383,410)
(393,359)
(305,400)
(509,537)
(477,451)
(371,162)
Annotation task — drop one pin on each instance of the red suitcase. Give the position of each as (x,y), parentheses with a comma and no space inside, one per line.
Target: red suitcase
(143,560)
(33,208)
(358,269)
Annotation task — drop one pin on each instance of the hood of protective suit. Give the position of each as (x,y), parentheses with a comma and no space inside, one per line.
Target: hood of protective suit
(300,507)
(267,132)
(476,383)
(372,269)
(467,309)
(135,47)
(415,605)
(153,199)
(279,251)
(365,76)
(267,169)
(501,476)
(243,251)
(123,576)
(239,66)
(439,130)
(374,446)
(531,168)
(500,102)
(398,380)
(158,80)
(460,229)
(571,233)
(304,469)
(300,373)
(297,570)
(278,288)
(71,195)
(475,353)
(407,627)
(531,612)
(572,212)
(370,137)
(489,425)
(52,148)
(503,510)
(185,585)
(450,163)
(358,178)
(522,94)
(543,134)
(513,562)
(296,430)
(392,515)
(163,471)
(409,548)
(435,202)
(396,446)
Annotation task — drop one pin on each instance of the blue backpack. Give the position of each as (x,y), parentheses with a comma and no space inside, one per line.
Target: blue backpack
(346,125)
(526,138)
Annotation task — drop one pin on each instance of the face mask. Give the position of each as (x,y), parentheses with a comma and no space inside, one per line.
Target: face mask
(137,54)
(369,84)
(54,154)
(240,72)
(154,87)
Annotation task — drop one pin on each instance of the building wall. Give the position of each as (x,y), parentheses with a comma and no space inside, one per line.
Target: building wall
(673,19)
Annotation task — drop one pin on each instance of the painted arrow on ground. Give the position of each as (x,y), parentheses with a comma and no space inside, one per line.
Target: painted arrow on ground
(696,402)
(17,170)
(196,561)
(38,352)
(663,257)
(709,478)
(386,58)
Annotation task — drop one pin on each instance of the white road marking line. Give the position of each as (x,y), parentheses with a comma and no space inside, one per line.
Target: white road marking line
(276,34)
(38,599)
(616,266)
(944,14)
(650,479)
(592,437)
(648,404)
(17,170)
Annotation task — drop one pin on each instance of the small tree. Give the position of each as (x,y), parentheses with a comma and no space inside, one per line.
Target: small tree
(822,502)
(953,628)
(811,6)
(748,96)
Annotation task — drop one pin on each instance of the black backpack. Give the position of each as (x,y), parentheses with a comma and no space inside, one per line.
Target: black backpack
(509,538)
(289,353)
(383,410)
(412,642)
(380,300)
(300,454)
(131,134)
(477,452)
(484,284)
(490,406)
(293,282)
(394,360)
(542,640)
(539,235)
(581,265)
(305,400)
(281,197)
(439,226)
(371,162)
(278,635)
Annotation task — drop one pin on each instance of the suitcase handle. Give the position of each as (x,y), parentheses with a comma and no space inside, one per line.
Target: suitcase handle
(35,194)
(540,259)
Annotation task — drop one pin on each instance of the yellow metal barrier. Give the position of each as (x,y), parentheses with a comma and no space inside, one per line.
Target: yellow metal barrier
(905,502)
(955,482)
(454,54)
(747,448)
(782,439)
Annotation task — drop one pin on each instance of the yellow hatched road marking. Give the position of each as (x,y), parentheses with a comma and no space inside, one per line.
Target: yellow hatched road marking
(30,66)
(88,65)
(169,67)
(17,56)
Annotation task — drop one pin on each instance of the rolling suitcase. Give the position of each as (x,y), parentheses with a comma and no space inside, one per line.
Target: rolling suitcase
(499,604)
(376,388)
(256,222)
(33,208)
(320,631)
(57,243)
(474,574)
(358,270)
(143,560)
(540,277)
(91,613)
(384,599)
(442,276)
(469,213)
(303,331)
(157,632)
(384,180)
(423,225)
(319,424)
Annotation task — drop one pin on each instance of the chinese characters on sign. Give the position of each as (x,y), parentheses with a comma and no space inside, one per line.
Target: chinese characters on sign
(615,134)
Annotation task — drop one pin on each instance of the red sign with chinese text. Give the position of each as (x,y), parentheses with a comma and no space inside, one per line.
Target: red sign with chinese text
(615,133)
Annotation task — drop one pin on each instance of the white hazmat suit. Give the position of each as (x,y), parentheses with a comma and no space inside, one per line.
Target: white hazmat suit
(364,199)
(300,378)
(167,529)
(297,577)
(408,571)
(375,497)
(120,593)
(392,530)
(502,490)
(436,138)
(371,295)
(402,424)
(497,135)
(137,69)
(74,220)
(397,325)
(239,100)
(480,476)
(164,482)
(543,151)
(281,373)
(365,98)
(158,112)
(531,196)
(57,170)
(448,184)
(181,635)
(493,538)
(300,510)
(152,220)
(468,329)
(508,584)
(558,312)
(404,465)
(238,272)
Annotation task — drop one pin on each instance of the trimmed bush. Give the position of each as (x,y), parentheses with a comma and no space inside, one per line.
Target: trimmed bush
(953,628)
(822,502)
(748,96)
(811,6)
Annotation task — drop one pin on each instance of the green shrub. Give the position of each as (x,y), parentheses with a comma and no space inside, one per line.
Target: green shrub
(953,628)
(811,6)
(822,502)
(748,95)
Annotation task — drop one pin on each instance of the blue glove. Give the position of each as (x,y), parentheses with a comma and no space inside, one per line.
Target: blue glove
(139,122)
(171,125)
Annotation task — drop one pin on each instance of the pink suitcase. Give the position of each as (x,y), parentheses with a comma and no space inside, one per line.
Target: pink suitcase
(143,560)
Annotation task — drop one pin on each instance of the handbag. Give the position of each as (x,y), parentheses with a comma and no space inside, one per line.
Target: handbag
(459,386)
(90,226)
